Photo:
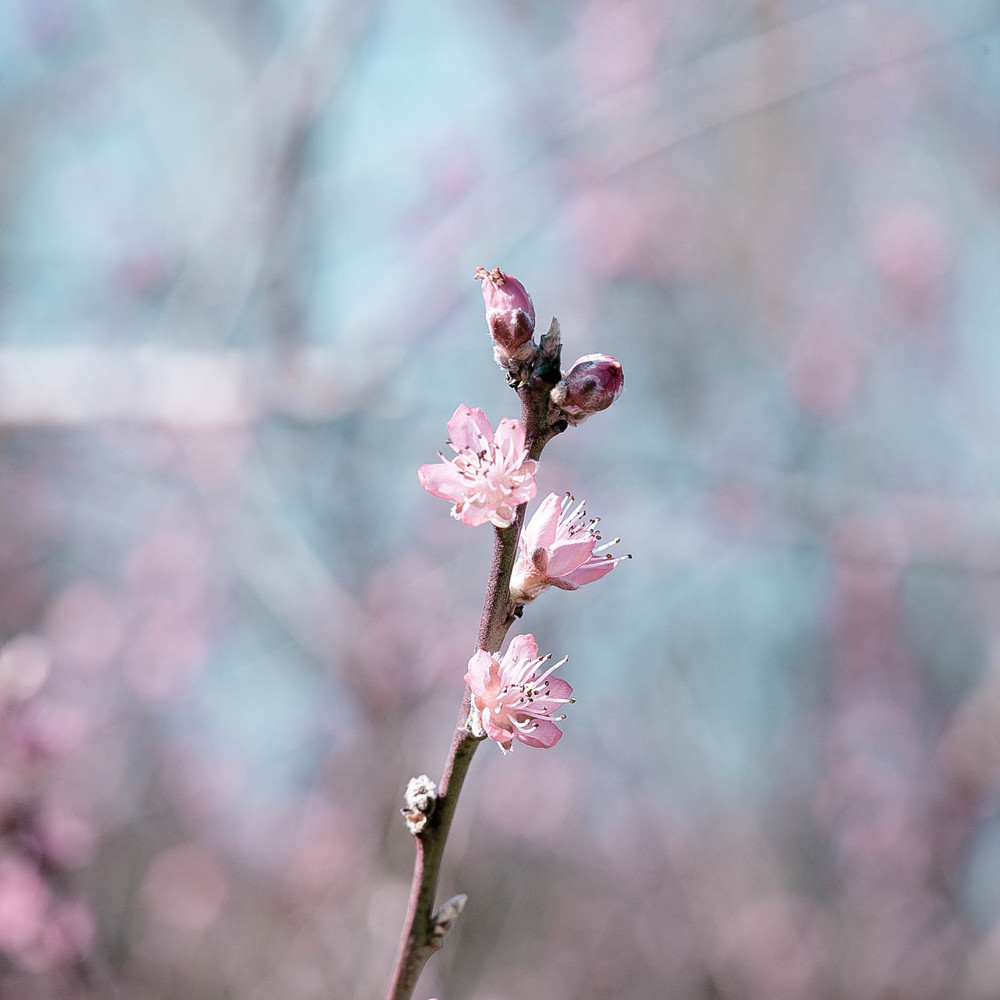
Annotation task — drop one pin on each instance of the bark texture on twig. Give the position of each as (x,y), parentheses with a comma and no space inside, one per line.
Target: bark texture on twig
(424,930)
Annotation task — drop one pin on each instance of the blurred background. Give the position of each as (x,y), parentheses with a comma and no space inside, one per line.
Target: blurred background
(237,307)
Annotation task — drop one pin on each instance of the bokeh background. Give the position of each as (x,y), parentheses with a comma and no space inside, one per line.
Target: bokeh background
(237,241)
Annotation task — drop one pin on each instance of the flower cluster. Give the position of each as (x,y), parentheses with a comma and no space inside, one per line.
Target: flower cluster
(514,696)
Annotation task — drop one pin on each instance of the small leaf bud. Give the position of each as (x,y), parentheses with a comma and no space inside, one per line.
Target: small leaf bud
(420,799)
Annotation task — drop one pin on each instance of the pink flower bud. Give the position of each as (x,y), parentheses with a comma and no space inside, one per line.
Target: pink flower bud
(593,383)
(509,312)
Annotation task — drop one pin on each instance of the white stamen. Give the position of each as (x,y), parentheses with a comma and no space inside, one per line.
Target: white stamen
(555,666)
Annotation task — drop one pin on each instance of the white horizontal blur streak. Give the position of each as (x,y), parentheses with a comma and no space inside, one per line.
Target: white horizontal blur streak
(174,388)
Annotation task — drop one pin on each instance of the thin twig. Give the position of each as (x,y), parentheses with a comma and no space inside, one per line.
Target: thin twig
(421,935)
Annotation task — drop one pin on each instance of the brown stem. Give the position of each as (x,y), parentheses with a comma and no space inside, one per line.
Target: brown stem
(419,941)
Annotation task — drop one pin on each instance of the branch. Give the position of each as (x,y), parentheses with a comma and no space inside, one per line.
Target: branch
(423,931)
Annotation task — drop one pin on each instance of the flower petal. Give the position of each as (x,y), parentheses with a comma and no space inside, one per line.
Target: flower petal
(568,556)
(472,514)
(503,516)
(559,688)
(592,570)
(521,648)
(442,479)
(526,490)
(498,733)
(467,427)
(548,734)
(540,531)
(510,440)
(483,674)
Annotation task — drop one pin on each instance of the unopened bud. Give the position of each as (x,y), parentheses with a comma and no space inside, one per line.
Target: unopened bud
(442,920)
(593,383)
(420,798)
(509,313)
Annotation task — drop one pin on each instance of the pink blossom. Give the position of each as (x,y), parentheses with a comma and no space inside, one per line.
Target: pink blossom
(490,476)
(24,902)
(593,383)
(511,700)
(557,549)
(510,314)
(62,838)
(65,937)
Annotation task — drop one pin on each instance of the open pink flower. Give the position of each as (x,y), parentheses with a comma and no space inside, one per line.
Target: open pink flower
(511,700)
(490,475)
(557,549)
